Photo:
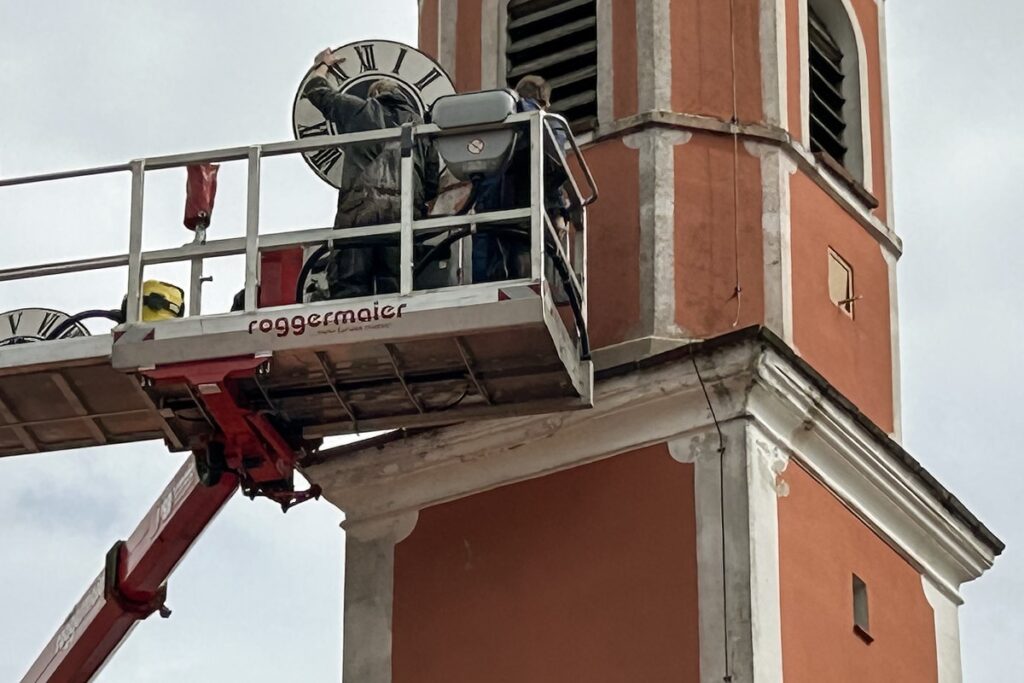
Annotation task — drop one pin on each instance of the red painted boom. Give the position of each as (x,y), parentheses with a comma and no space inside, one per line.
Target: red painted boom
(132,587)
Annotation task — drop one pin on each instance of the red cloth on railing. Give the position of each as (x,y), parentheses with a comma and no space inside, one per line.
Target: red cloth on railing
(200,191)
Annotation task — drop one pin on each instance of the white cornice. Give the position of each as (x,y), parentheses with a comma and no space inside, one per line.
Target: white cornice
(769,135)
(863,472)
(632,411)
(657,404)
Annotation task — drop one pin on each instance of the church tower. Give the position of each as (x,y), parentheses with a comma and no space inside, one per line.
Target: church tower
(737,505)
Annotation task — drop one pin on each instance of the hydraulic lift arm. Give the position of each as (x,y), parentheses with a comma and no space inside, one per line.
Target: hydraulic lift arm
(244,451)
(132,585)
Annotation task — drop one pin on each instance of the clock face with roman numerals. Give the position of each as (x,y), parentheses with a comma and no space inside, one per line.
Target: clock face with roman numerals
(419,76)
(35,324)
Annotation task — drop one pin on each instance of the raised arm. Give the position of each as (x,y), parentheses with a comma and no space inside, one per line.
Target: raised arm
(345,111)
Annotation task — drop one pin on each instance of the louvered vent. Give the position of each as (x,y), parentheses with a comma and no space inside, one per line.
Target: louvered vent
(557,39)
(828,124)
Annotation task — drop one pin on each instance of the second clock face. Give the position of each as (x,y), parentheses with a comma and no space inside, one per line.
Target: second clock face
(418,75)
(35,324)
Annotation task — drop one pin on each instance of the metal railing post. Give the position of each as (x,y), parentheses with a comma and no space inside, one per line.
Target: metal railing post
(581,261)
(134,293)
(537,197)
(195,294)
(406,239)
(137,260)
(252,230)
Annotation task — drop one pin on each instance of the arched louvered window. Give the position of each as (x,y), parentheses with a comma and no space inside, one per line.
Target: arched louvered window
(557,39)
(836,105)
(828,103)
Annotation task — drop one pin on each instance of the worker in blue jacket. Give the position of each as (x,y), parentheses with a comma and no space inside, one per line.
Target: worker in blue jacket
(507,256)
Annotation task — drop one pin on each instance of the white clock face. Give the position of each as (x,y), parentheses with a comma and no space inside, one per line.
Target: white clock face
(419,76)
(35,324)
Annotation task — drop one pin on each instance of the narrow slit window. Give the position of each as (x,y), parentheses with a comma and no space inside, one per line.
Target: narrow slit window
(840,283)
(557,39)
(861,624)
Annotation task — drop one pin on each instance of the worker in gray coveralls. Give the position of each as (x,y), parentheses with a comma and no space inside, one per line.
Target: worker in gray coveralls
(370,191)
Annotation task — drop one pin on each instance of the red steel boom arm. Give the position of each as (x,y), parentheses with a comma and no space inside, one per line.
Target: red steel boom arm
(132,585)
(245,449)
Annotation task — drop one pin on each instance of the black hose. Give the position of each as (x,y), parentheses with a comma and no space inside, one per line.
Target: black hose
(20,339)
(453,237)
(574,302)
(577,310)
(73,320)
(560,266)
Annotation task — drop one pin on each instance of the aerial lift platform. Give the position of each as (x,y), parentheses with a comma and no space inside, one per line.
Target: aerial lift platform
(414,358)
(251,392)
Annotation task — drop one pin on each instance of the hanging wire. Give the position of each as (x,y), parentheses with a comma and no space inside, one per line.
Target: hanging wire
(721,509)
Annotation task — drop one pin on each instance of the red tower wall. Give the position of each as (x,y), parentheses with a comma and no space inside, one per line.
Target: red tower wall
(428,27)
(821,545)
(719,243)
(855,354)
(585,575)
(467,61)
(702,62)
(625,59)
(614,283)
(590,573)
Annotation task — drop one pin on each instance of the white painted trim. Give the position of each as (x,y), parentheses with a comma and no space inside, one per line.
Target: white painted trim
(774,63)
(769,412)
(826,180)
(864,85)
(605,64)
(654,55)
(435,467)
(739,598)
(490,52)
(883,53)
(502,40)
(947,633)
(776,205)
(805,76)
(723,566)
(659,405)
(369,593)
(657,228)
(816,171)
(891,262)
(765,462)
(635,349)
(700,450)
(868,178)
(447,33)
(847,459)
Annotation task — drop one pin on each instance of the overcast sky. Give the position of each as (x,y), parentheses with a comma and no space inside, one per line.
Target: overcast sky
(85,84)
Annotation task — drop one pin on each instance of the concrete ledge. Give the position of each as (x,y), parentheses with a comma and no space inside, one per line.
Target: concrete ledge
(814,168)
(749,375)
